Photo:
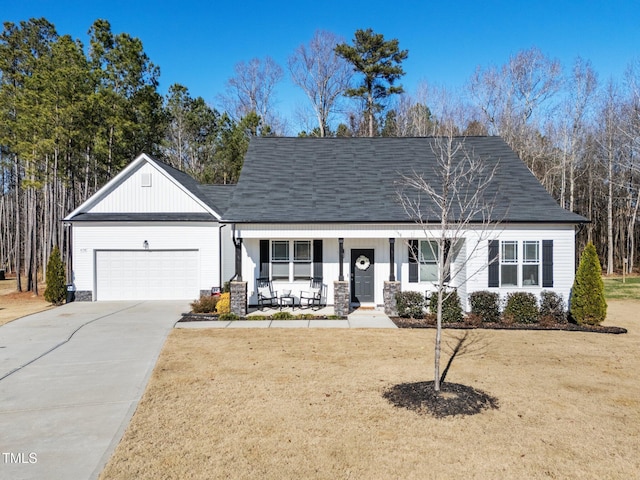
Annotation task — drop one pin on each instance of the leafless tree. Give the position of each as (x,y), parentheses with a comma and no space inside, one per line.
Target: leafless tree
(252,89)
(321,74)
(454,209)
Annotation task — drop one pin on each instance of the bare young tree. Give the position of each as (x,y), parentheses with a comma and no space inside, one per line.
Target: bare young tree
(454,209)
(252,89)
(321,74)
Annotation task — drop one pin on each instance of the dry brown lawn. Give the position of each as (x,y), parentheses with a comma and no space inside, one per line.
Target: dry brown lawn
(15,305)
(282,404)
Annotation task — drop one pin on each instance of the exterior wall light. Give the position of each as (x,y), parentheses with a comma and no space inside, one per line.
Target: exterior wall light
(145,245)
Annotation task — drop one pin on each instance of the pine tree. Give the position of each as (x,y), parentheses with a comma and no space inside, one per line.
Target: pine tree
(588,306)
(56,289)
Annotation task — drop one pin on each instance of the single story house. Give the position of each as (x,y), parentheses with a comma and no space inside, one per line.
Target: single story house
(326,208)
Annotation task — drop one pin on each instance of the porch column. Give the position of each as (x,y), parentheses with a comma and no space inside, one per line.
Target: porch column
(392,259)
(238,298)
(238,244)
(341,259)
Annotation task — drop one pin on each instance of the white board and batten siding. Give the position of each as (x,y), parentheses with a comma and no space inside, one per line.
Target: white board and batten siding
(110,260)
(147,190)
(377,237)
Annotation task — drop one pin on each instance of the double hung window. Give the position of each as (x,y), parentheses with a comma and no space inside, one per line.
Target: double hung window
(520,263)
(428,261)
(285,266)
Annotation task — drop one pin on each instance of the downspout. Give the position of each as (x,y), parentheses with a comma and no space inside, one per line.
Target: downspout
(69,273)
(220,282)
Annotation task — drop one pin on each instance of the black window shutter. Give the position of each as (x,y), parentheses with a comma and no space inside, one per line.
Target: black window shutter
(547,263)
(447,272)
(317,259)
(413,261)
(264,258)
(494,263)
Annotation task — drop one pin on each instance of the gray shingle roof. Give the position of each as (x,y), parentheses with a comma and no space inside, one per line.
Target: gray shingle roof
(314,180)
(218,196)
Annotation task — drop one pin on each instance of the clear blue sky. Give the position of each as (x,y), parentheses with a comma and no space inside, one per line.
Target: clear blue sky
(197,42)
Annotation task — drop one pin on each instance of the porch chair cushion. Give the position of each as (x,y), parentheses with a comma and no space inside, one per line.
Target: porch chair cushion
(266,296)
(312,297)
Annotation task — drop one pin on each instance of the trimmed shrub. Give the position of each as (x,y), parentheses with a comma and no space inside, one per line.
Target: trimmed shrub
(552,307)
(228,316)
(521,307)
(485,305)
(206,304)
(410,304)
(282,316)
(588,306)
(224,303)
(56,291)
(451,308)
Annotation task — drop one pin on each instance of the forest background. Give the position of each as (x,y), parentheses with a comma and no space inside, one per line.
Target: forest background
(73,115)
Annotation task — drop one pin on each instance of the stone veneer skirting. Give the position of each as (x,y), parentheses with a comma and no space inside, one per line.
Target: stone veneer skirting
(389,295)
(84,296)
(341,298)
(239,298)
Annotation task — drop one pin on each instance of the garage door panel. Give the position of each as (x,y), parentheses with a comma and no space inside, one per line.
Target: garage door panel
(147,274)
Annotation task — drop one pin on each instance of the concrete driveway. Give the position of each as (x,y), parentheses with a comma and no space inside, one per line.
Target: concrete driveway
(70,380)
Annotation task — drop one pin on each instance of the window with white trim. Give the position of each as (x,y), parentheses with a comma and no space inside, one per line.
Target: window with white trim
(519,263)
(428,261)
(285,266)
(530,263)
(280,260)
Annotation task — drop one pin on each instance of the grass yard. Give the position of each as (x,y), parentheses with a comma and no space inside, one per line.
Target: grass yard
(283,404)
(15,305)
(615,288)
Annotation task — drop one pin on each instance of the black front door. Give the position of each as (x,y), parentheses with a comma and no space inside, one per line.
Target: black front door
(362,278)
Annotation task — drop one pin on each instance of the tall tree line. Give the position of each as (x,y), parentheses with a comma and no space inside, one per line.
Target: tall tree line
(71,117)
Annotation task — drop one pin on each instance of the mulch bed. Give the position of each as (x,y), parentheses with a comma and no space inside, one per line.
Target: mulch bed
(452,399)
(572,327)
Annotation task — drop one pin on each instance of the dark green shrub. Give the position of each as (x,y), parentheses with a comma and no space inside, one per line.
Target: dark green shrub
(451,308)
(282,316)
(56,291)
(588,306)
(305,316)
(410,304)
(228,316)
(552,307)
(206,304)
(521,307)
(485,305)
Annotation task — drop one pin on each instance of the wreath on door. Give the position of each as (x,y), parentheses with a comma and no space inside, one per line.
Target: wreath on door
(362,262)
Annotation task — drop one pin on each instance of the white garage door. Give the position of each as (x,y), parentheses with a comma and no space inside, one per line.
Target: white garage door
(147,274)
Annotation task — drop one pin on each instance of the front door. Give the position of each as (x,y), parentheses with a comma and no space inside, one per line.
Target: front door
(362,277)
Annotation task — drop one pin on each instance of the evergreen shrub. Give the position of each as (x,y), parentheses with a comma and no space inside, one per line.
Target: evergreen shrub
(552,307)
(451,307)
(588,306)
(521,307)
(410,304)
(486,305)
(56,291)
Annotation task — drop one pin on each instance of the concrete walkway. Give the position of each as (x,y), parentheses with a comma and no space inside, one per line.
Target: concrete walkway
(357,319)
(70,380)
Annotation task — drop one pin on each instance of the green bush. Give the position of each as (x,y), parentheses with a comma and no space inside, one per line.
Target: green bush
(305,316)
(282,316)
(485,305)
(410,304)
(552,307)
(588,306)
(451,307)
(228,316)
(56,291)
(521,307)
(206,304)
